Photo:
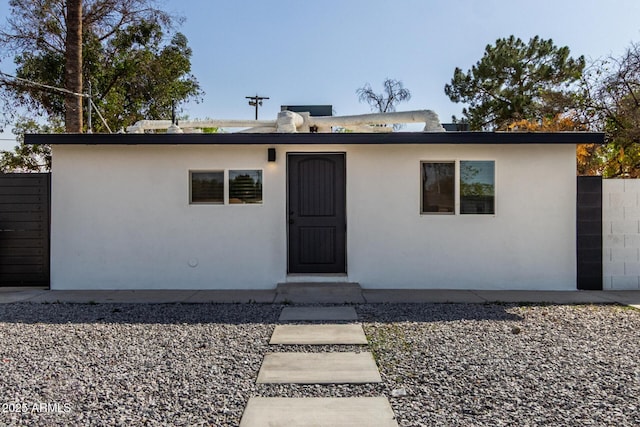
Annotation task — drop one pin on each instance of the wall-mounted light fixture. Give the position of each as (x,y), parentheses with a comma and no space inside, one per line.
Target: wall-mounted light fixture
(271,154)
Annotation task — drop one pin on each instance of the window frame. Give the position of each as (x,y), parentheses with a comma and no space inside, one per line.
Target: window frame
(457,194)
(460,192)
(228,186)
(455,188)
(225,183)
(196,171)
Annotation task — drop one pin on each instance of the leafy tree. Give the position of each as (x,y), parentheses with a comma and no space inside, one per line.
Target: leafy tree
(515,81)
(29,158)
(132,73)
(612,105)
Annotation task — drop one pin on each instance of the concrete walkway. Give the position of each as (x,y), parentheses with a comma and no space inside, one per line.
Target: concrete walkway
(318,368)
(318,335)
(318,294)
(318,314)
(318,412)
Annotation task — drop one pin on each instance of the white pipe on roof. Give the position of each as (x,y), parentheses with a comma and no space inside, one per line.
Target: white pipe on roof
(290,122)
(226,123)
(142,125)
(428,117)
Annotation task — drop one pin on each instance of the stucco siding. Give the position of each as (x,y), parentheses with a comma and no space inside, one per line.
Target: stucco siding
(528,244)
(121,219)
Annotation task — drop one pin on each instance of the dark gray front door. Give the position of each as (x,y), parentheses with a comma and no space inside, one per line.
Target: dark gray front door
(316,210)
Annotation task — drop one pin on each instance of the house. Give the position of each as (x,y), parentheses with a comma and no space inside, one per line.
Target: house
(435,209)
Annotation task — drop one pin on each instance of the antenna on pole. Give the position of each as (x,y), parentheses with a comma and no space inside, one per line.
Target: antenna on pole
(256,101)
(89,127)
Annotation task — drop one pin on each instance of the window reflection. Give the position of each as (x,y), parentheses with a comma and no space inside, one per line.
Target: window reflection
(477,187)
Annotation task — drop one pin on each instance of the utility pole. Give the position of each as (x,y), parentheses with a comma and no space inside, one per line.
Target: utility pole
(89,123)
(256,101)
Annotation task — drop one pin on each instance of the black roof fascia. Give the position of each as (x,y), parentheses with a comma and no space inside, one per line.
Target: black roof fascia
(317,138)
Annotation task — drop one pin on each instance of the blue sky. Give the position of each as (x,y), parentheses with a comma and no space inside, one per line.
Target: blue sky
(320,52)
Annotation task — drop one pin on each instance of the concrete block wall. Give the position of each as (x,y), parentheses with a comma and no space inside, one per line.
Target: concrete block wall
(621,234)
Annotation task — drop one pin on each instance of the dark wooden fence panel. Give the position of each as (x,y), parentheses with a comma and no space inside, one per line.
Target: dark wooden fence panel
(589,232)
(24,229)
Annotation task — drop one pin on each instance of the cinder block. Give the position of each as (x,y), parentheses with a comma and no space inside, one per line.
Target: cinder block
(630,198)
(613,268)
(624,227)
(630,269)
(613,214)
(607,227)
(612,186)
(619,200)
(613,200)
(614,240)
(624,255)
(624,282)
(606,255)
(606,282)
(631,240)
(631,185)
(631,212)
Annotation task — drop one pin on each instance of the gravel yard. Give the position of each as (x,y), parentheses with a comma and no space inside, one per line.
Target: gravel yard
(441,364)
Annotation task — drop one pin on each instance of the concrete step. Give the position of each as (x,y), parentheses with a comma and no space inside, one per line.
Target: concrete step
(318,412)
(318,368)
(318,334)
(318,314)
(319,292)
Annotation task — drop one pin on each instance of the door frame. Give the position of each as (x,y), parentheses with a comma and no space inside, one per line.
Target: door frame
(286,216)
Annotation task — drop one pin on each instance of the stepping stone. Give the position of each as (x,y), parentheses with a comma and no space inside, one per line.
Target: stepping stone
(318,412)
(318,334)
(290,314)
(318,368)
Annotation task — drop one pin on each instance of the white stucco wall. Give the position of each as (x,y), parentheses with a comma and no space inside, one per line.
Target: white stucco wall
(121,219)
(621,234)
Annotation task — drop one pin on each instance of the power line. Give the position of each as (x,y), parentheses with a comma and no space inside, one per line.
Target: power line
(32,83)
(92,104)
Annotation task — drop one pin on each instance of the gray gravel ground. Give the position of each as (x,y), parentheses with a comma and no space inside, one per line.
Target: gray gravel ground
(441,364)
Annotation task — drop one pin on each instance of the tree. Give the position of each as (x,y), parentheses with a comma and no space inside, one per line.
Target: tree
(73,67)
(612,105)
(132,73)
(394,92)
(515,81)
(29,158)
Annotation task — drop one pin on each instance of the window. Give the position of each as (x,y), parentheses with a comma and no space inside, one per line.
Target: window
(477,184)
(207,187)
(245,186)
(438,187)
(221,187)
(473,193)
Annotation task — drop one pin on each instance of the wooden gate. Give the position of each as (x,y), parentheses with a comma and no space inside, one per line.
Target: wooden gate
(24,229)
